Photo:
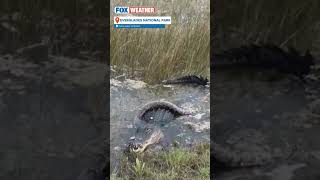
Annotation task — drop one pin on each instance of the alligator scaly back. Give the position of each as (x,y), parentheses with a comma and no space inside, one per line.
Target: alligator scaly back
(190,79)
(266,57)
(161,105)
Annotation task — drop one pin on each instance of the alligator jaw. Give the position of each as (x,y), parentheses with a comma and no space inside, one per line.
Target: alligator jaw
(154,139)
(141,148)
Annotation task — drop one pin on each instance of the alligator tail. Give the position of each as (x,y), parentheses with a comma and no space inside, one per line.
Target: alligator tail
(190,79)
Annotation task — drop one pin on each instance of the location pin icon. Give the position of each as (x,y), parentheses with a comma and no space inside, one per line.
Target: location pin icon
(117,19)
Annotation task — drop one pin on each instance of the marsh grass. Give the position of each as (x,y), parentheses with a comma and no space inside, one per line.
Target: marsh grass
(68,8)
(179,163)
(285,23)
(181,48)
(138,168)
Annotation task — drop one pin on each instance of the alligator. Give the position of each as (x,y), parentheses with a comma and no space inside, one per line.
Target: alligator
(266,56)
(189,79)
(154,116)
(150,136)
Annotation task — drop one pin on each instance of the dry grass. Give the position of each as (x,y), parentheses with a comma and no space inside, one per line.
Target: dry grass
(181,48)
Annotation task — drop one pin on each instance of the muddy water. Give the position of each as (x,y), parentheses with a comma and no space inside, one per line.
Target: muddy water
(128,96)
(276,108)
(51,118)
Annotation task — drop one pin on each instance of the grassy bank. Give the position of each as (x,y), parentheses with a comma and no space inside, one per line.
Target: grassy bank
(176,164)
(285,23)
(181,48)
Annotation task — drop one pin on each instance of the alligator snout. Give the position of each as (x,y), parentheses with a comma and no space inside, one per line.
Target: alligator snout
(151,137)
(134,146)
(134,143)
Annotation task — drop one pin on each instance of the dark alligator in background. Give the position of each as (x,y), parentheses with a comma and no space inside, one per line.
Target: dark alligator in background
(190,79)
(265,57)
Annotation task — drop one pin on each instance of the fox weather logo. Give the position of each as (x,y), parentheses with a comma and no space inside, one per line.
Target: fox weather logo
(128,21)
(121,10)
(134,10)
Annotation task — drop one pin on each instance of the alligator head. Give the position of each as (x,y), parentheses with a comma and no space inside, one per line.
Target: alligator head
(153,118)
(149,130)
(145,137)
